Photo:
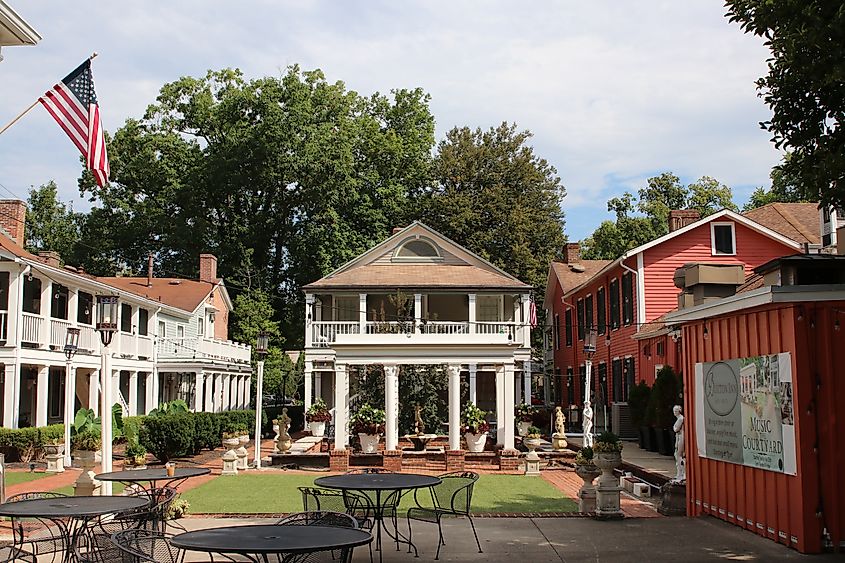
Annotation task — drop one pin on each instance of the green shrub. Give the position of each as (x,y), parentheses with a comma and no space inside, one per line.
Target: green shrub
(664,396)
(168,436)
(26,444)
(638,403)
(86,440)
(231,421)
(206,431)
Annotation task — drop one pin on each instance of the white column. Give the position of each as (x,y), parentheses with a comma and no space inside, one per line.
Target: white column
(517,390)
(106,401)
(10,396)
(418,312)
(199,388)
(500,405)
(454,406)
(133,393)
(309,381)
(149,392)
(70,396)
(473,387)
(391,407)
(259,403)
(362,313)
(526,321)
(526,381)
(94,392)
(247,387)
(72,306)
(471,297)
(227,390)
(309,306)
(237,389)
(341,391)
(42,391)
(509,404)
(46,299)
(209,393)
(218,392)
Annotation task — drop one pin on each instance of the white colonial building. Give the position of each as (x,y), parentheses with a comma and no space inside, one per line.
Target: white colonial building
(171,340)
(453,308)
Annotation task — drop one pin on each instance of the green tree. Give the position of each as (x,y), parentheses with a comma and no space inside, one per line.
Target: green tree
(494,195)
(50,224)
(804,87)
(784,189)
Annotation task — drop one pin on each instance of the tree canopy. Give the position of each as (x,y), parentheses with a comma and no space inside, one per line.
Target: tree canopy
(50,224)
(785,189)
(645,217)
(805,87)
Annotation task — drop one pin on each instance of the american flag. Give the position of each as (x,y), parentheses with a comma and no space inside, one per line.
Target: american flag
(73,104)
(533,313)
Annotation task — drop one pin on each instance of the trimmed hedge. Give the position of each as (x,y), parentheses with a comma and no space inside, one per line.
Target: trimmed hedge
(25,444)
(168,436)
(206,431)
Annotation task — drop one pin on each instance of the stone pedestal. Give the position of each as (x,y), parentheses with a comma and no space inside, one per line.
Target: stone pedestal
(55,463)
(608,489)
(674,499)
(276,439)
(86,485)
(243,462)
(587,493)
(532,464)
(230,463)
(559,442)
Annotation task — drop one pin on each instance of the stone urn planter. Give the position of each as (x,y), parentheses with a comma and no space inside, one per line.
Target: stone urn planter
(369,442)
(532,443)
(86,485)
(607,489)
(587,494)
(318,429)
(476,442)
(522,427)
(55,456)
(241,451)
(230,456)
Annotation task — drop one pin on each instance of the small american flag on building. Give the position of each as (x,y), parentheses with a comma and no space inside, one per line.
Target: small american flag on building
(532,312)
(73,104)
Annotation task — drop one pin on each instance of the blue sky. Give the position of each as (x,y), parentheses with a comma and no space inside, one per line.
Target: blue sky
(614,92)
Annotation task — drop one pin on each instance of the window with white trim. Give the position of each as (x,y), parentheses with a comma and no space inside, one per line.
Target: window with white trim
(722,239)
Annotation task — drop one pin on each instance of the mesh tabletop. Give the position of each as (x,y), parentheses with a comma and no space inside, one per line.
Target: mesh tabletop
(377,481)
(271,539)
(143,475)
(70,507)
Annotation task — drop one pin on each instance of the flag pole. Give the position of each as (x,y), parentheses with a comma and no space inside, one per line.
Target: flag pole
(35,103)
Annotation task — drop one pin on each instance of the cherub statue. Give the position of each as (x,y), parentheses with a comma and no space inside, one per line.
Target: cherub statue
(678,427)
(419,425)
(560,419)
(284,425)
(588,425)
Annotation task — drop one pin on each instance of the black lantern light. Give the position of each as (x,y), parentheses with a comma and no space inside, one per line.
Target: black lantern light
(261,345)
(71,342)
(590,343)
(107,310)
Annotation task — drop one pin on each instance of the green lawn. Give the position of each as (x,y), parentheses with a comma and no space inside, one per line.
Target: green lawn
(16,477)
(277,493)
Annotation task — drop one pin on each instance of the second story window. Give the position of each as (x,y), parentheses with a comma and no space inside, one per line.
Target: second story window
(722,239)
(180,331)
(627,298)
(58,304)
(588,312)
(85,308)
(143,322)
(614,304)
(201,327)
(31,295)
(568,321)
(556,329)
(601,311)
(580,319)
(125,318)
(162,329)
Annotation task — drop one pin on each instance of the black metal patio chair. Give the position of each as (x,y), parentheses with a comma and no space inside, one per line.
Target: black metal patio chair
(452,497)
(322,518)
(357,505)
(148,546)
(39,536)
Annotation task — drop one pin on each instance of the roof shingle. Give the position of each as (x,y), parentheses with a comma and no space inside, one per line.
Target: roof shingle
(182,294)
(797,221)
(392,276)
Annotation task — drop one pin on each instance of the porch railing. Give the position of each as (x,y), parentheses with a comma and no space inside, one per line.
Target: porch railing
(444,327)
(31,328)
(325,332)
(88,339)
(127,344)
(145,347)
(485,327)
(58,332)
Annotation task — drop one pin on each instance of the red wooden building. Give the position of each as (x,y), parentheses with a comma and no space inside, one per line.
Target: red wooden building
(624,297)
(763,396)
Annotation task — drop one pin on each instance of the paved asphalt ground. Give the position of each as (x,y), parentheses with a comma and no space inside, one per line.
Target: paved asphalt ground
(526,540)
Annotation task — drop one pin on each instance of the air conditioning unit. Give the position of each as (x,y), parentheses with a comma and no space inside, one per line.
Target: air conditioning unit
(621,421)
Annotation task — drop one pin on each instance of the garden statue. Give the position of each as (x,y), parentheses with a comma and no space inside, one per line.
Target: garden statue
(588,425)
(559,436)
(283,442)
(419,426)
(680,469)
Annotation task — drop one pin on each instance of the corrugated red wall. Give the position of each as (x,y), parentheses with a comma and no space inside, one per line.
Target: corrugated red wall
(793,510)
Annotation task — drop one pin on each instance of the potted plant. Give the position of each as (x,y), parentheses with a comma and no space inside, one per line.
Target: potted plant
(524,415)
(231,439)
(607,450)
(317,416)
(368,423)
(532,438)
(54,446)
(638,403)
(136,455)
(475,428)
(664,396)
(85,445)
(586,469)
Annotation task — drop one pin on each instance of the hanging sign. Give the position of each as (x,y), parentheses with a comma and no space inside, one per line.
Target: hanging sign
(744,412)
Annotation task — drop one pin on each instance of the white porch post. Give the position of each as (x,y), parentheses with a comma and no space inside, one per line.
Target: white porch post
(10,397)
(247,388)
(209,392)
(391,407)
(508,440)
(240,386)
(500,405)
(318,385)
(46,324)
(341,397)
(227,390)
(94,392)
(454,406)
(218,392)
(309,381)
(526,321)
(149,392)
(199,387)
(133,393)
(309,306)
(526,381)
(362,313)
(70,402)
(473,387)
(42,391)
(417,312)
(471,297)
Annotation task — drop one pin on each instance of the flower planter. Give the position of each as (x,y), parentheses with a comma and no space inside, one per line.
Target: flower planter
(607,489)
(369,442)
(522,427)
(54,449)
(587,493)
(476,442)
(318,429)
(86,484)
(532,443)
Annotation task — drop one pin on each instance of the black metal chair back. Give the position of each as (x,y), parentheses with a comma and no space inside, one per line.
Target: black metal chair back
(319,518)
(41,536)
(368,471)
(454,493)
(148,545)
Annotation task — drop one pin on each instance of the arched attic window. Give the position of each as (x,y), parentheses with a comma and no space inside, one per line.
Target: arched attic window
(417,249)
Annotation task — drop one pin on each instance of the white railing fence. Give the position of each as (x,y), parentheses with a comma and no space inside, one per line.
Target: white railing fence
(31,328)
(325,332)
(58,332)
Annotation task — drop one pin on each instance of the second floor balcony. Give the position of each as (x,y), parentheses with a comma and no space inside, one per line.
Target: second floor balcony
(328,333)
(203,350)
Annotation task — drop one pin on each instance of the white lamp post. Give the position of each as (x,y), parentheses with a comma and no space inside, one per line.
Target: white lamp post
(71,346)
(261,352)
(107,311)
(589,353)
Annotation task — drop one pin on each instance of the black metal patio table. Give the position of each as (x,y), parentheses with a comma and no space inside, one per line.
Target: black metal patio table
(290,543)
(153,476)
(64,510)
(388,489)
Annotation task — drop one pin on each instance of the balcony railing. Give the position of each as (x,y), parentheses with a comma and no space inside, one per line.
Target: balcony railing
(145,347)
(444,327)
(58,332)
(31,328)
(88,339)
(183,349)
(327,333)
(126,345)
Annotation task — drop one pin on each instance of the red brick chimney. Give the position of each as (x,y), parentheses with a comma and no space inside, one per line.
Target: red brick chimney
(572,253)
(208,268)
(13,219)
(680,218)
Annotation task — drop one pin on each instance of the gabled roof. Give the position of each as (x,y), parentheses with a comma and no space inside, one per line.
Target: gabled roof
(572,275)
(180,293)
(798,221)
(468,270)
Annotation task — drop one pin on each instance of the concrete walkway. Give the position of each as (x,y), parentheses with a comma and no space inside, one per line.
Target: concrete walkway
(660,466)
(537,540)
